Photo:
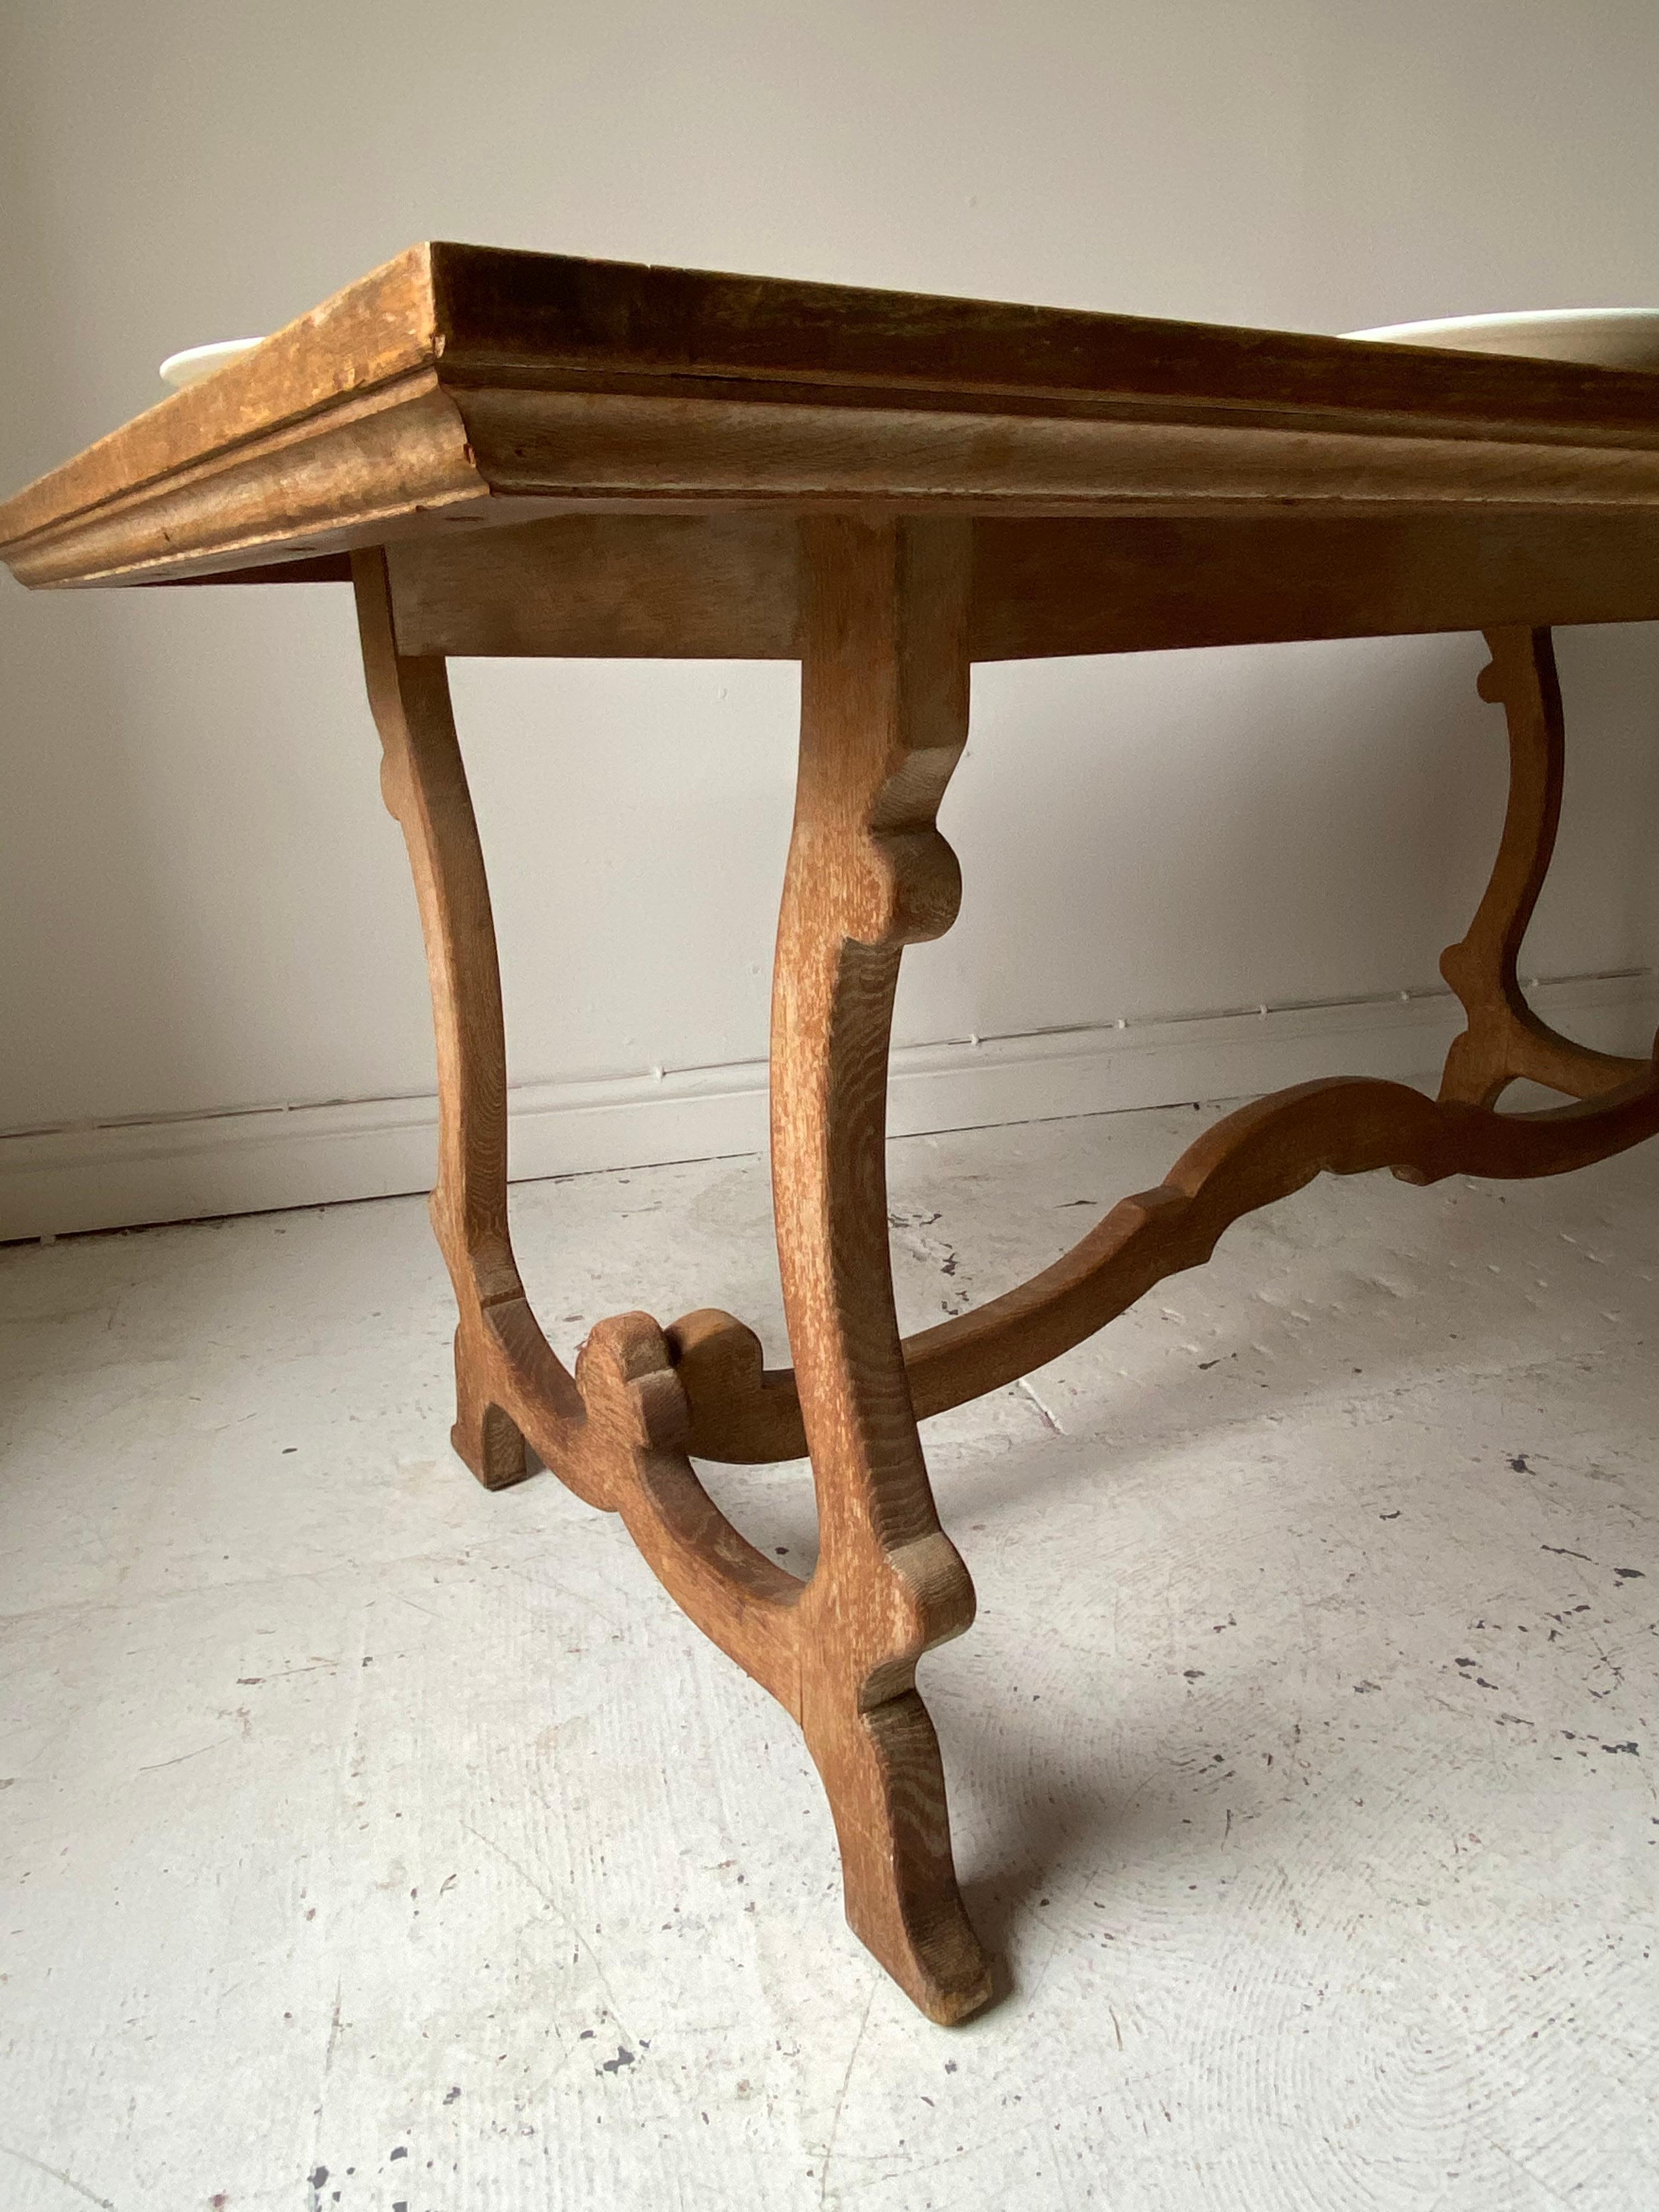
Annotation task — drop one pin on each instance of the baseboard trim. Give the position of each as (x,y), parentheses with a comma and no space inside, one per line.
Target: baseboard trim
(64,1181)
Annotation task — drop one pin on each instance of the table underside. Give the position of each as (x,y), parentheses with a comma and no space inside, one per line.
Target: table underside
(885,617)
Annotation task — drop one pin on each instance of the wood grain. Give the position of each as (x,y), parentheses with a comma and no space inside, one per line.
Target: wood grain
(725,587)
(647,587)
(424,785)
(461,381)
(612,1432)
(1079,585)
(374,334)
(884,719)
(393,458)
(513,316)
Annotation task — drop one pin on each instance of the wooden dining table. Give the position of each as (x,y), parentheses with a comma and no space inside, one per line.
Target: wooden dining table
(529,455)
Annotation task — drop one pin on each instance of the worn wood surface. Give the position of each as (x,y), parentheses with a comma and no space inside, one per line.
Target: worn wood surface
(1079,587)
(612,1431)
(726,587)
(679,587)
(424,784)
(459,386)
(884,719)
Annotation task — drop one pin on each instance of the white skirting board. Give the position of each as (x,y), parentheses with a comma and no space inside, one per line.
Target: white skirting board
(61,1182)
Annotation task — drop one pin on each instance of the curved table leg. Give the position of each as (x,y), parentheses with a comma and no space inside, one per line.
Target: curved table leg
(884,703)
(867,873)
(1504,1039)
(424,785)
(884,717)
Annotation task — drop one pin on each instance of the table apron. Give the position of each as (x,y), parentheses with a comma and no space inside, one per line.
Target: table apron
(725,587)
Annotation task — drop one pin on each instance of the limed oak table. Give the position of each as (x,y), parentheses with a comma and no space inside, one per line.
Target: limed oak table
(522,453)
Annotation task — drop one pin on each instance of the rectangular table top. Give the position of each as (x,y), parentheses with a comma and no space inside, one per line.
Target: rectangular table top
(461,386)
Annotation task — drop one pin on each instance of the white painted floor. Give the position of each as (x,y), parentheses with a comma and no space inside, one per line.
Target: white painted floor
(371,1841)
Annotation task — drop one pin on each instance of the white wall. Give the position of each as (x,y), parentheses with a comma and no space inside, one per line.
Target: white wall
(202,905)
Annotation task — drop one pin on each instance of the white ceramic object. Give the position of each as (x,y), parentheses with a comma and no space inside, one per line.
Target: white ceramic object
(190,366)
(1603,337)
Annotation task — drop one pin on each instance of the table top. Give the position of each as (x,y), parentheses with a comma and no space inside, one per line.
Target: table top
(465,386)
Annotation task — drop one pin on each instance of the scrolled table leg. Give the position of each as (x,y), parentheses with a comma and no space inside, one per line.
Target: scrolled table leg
(1504,1039)
(884,717)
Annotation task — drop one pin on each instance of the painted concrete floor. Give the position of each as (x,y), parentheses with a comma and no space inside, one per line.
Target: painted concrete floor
(370,1841)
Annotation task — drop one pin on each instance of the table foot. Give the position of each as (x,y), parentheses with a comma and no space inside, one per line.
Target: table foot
(485,1437)
(882,1774)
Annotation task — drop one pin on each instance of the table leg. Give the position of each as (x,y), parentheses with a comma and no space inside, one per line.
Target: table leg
(1504,1039)
(885,713)
(884,648)
(884,717)
(424,785)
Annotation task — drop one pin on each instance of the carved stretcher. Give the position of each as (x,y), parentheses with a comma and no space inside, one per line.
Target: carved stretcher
(519,453)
